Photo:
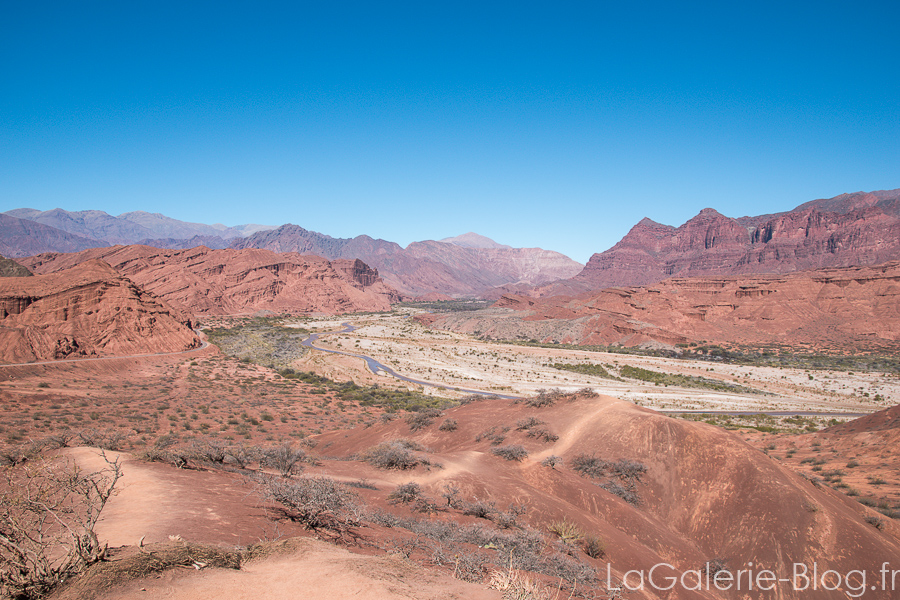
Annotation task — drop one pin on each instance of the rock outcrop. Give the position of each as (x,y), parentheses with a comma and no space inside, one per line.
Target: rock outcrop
(856,308)
(204,281)
(87,310)
(10,268)
(851,229)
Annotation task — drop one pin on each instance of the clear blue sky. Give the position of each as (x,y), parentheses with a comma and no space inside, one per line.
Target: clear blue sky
(557,125)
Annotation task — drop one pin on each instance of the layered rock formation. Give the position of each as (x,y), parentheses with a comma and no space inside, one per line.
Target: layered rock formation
(87,310)
(465,267)
(204,281)
(841,308)
(851,229)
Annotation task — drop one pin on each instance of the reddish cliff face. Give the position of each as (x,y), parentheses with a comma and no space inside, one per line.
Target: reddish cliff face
(87,310)
(851,229)
(204,281)
(842,308)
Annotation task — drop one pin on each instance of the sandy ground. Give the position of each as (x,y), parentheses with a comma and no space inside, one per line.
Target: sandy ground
(158,503)
(449,358)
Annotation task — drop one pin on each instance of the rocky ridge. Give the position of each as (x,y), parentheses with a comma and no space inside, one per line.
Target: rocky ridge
(89,310)
(836,308)
(204,281)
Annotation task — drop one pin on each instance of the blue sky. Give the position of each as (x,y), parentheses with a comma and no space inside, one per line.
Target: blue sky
(536,124)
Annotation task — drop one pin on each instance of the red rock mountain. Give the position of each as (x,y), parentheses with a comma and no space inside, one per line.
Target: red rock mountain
(852,307)
(465,266)
(850,229)
(87,310)
(204,281)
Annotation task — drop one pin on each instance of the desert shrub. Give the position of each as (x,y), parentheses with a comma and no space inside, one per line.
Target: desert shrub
(714,566)
(316,502)
(510,517)
(423,418)
(543,434)
(495,435)
(528,423)
(593,546)
(405,493)
(108,439)
(242,454)
(451,494)
(543,398)
(449,425)
(210,450)
(515,452)
(284,458)
(628,472)
(364,484)
(515,585)
(876,522)
(48,513)
(393,454)
(587,392)
(470,399)
(565,530)
(481,509)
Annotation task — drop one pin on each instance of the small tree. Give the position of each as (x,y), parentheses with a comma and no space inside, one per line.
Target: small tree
(48,513)
(284,458)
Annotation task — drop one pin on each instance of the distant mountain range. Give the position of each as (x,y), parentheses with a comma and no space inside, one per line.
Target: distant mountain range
(861,228)
(467,265)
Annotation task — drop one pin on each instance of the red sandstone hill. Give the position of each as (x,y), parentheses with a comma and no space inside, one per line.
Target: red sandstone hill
(463,266)
(705,495)
(204,281)
(853,307)
(87,310)
(850,229)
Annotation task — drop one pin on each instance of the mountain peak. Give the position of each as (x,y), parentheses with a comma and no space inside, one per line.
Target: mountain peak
(472,240)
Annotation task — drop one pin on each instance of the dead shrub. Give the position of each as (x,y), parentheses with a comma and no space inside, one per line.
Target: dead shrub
(423,418)
(48,513)
(405,493)
(106,439)
(284,458)
(316,502)
(593,546)
(393,454)
(449,425)
(515,452)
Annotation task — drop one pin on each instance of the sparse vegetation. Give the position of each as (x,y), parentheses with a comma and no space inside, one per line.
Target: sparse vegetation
(48,514)
(515,452)
(394,454)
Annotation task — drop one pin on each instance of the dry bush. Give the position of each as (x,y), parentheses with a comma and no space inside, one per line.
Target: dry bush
(106,439)
(405,493)
(284,458)
(628,472)
(48,512)
(242,455)
(566,531)
(481,509)
(593,546)
(543,434)
(316,502)
(515,585)
(210,450)
(515,452)
(587,392)
(509,518)
(393,454)
(449,425)
(528,423)
(423,418)
(495,435)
